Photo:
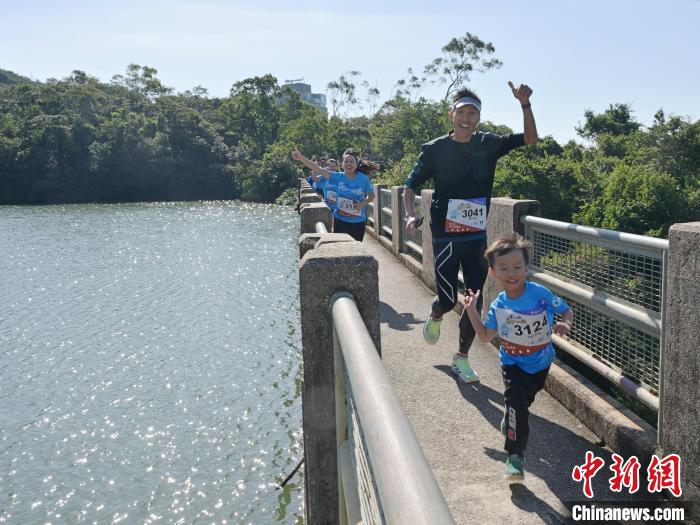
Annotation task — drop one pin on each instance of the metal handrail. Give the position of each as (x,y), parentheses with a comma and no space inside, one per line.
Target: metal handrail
(636,316)
(405,483)
(646,321)
(631,242)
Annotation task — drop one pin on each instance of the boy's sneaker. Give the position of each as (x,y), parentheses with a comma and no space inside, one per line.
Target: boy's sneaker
(463,370)
(515,467)
(431,328)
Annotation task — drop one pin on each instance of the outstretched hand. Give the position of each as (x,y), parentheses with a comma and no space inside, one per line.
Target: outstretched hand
(411,225)
(522,92)
(562,328)
(296,154)
(471,298)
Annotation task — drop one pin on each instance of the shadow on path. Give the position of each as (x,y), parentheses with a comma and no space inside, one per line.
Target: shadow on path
(552,453)
(396,320)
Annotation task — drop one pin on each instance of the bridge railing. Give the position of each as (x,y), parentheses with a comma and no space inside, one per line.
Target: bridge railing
(614,283)
(384,474)
(385,214)
(362,462)
(636,320)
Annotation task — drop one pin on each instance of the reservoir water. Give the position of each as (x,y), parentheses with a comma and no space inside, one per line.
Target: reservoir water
(150,364)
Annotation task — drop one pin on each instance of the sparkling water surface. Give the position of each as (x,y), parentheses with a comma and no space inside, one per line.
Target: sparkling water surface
(150,364)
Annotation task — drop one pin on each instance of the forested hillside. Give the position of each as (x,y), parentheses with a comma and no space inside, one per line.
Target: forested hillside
(133,139)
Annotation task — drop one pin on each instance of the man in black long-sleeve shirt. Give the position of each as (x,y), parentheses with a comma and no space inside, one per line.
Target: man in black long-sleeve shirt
(462,166)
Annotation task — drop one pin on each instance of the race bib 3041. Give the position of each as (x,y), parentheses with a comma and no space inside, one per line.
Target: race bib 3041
(466,215)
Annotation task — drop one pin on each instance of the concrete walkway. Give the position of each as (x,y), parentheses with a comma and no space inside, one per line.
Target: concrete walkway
(458,425)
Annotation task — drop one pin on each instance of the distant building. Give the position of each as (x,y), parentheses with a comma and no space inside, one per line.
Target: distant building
(315,99)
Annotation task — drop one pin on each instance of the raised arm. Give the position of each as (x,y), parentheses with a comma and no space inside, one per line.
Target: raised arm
(484,334)
(315,168)
(523,93)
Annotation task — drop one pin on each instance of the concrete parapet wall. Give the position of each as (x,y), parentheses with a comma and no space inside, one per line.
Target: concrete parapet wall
(680,366)
(620,428)
(314,212)
(337,263)
(308,198)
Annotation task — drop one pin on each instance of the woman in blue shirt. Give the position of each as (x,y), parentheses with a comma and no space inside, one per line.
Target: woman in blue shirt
(353,190)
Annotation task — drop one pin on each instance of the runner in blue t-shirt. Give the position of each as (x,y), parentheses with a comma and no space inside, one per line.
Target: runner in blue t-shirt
(353,190)
(319,182)
(523,317)
(329,191)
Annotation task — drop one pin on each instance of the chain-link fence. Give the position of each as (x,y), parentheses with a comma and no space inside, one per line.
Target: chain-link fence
(614,284)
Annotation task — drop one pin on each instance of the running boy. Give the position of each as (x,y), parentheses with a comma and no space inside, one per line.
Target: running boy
(523,317)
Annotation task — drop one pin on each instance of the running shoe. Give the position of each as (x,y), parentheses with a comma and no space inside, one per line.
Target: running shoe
(431,328)
(515,467)
(463,370)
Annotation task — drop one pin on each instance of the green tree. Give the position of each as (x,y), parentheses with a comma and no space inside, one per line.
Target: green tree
(143,80)
(272,175)
(616,120)
(636,200)
(461,57)
(251,113)
(343,93)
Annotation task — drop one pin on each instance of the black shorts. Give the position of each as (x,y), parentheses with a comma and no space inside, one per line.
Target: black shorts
(356,230)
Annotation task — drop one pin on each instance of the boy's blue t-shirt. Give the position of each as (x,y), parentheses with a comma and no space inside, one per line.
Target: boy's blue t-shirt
(526,323)
(348,193)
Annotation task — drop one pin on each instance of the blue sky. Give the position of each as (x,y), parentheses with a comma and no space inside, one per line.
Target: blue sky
(575,55)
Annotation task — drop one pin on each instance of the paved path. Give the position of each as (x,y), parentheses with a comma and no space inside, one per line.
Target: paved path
(458,425)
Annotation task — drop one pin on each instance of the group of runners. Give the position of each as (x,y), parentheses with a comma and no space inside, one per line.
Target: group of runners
(462,167)
(345,192)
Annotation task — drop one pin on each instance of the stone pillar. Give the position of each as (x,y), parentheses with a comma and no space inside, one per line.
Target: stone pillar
(680,359)
(313,213)
(504,218)
(378,209)
(309,241)
(397,213)
(329,268)
(428,272)
(308,197)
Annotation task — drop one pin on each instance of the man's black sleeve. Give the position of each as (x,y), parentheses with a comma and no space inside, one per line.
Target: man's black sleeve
(421,171)
(509,143)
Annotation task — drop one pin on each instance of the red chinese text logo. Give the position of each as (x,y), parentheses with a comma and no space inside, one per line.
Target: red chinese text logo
(662,473)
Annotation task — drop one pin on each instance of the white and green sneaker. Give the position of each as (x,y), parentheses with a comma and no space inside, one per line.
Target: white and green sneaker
(515,467)
(431,328)
(463,370)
